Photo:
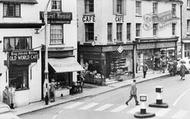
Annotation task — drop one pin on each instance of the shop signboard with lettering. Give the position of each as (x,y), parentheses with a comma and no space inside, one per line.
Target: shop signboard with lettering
(88,18)
(57,17)
(163,19)
(119,18)
(23,56)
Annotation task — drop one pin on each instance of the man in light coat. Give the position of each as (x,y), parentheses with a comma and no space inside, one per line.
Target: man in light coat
(133,93)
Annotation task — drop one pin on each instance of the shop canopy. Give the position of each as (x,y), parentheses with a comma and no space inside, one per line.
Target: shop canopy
(68,64)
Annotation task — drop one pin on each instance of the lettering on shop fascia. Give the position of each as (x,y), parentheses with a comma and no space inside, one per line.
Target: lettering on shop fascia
(119,18)
(30,56)
(163,20)
(88,18)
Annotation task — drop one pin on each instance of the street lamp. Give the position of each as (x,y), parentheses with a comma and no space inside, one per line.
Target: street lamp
(46,81)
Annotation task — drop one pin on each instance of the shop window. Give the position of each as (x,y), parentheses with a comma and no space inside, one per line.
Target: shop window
(174,10)
(56,5)
(119,32)
(173,29)
(89,32)
(18,77)
(155,8)
(109,32)
(11,10)
(128,31)
(138,8)
(138,30)
(56,34)
(17,43)
(155,29)
(89,6)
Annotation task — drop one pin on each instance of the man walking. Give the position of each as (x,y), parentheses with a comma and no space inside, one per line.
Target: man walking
(145,69)
(133,93)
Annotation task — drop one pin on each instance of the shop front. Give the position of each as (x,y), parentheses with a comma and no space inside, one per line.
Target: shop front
(106,61)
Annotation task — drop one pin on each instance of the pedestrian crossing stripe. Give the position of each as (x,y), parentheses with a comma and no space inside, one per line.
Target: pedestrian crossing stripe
(88,106)
(160,112)
(120,108)
(104,107)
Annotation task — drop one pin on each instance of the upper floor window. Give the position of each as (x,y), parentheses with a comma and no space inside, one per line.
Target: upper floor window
(119,6)
(17,43)
(109,32)
(174,10)
(119,32)
(138,8)
(128,31)
(56,34)
(89,6)
(11,10)
(155,29)
(188,3)
(56,5)
(89,32)
(155,8)
(138,30)
(173,28)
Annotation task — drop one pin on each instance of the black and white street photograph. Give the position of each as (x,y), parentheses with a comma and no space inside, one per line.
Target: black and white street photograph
(94,59)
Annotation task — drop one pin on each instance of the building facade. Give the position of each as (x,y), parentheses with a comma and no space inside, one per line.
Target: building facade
(24,36)
(117,36)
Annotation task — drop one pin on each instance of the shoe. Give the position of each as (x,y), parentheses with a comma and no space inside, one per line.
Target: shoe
(126,103)
(137,104)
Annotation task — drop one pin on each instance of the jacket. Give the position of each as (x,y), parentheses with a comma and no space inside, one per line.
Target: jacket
(133,90)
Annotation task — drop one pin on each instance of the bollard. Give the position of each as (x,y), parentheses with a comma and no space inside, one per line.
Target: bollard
(143,113)
(159,102)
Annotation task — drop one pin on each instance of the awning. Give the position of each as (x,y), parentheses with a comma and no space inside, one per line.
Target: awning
(21,1)
(68,64)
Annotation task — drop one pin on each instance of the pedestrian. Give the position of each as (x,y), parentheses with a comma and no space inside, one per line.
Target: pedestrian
(6,97)
(182,71)
(133,93)
(52,91)
(145,69)
(12,97)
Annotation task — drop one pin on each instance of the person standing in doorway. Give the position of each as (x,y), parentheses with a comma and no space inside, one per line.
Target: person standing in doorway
(145,69)
(133,93)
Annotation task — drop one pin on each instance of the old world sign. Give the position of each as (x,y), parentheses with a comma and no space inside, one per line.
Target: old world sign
(29,56)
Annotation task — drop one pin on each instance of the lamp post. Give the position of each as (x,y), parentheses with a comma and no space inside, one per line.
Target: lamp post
(46,81)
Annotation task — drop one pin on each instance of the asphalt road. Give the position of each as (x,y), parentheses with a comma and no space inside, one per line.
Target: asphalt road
(111,105)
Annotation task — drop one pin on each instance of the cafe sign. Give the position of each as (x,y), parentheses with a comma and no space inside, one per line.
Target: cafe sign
(57,17)
(119,18)
(88,18)
(20,56)
(163,19)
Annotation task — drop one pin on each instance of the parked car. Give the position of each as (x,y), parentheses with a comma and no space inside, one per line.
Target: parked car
(5,112)
(186,63)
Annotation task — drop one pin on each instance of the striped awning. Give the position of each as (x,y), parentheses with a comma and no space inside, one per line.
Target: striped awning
(20,1)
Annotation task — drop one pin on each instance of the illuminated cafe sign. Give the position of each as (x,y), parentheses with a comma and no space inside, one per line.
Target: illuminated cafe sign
(88,18)
(163,19)
(29,56)
(57,17)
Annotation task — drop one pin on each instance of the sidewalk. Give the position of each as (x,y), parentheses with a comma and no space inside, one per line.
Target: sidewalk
(89,92)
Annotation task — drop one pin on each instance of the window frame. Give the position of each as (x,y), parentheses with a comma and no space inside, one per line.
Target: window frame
(188,4)
(138,6)
(173,10)
(119,30)
(6,13)
(155,29)
(173,29)
(155,7)
(60,5)
(188,26)
(88,32)
(128,29)
(52,39)
(119,6)
(110,32)
(138,29)
(89,6)
(28,38)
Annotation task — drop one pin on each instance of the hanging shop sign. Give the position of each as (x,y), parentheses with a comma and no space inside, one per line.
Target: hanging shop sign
(88,18)
(162,19)
(57,17)
(20,56)
(119,18)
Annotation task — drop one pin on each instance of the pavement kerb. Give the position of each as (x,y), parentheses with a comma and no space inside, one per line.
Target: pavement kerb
(82,97)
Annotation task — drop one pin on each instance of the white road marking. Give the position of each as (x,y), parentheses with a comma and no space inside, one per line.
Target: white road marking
(180,114)
(120,108)
(88,106)
(135,109)
(162,112)
(104,107)
(74,105)
(177,100)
